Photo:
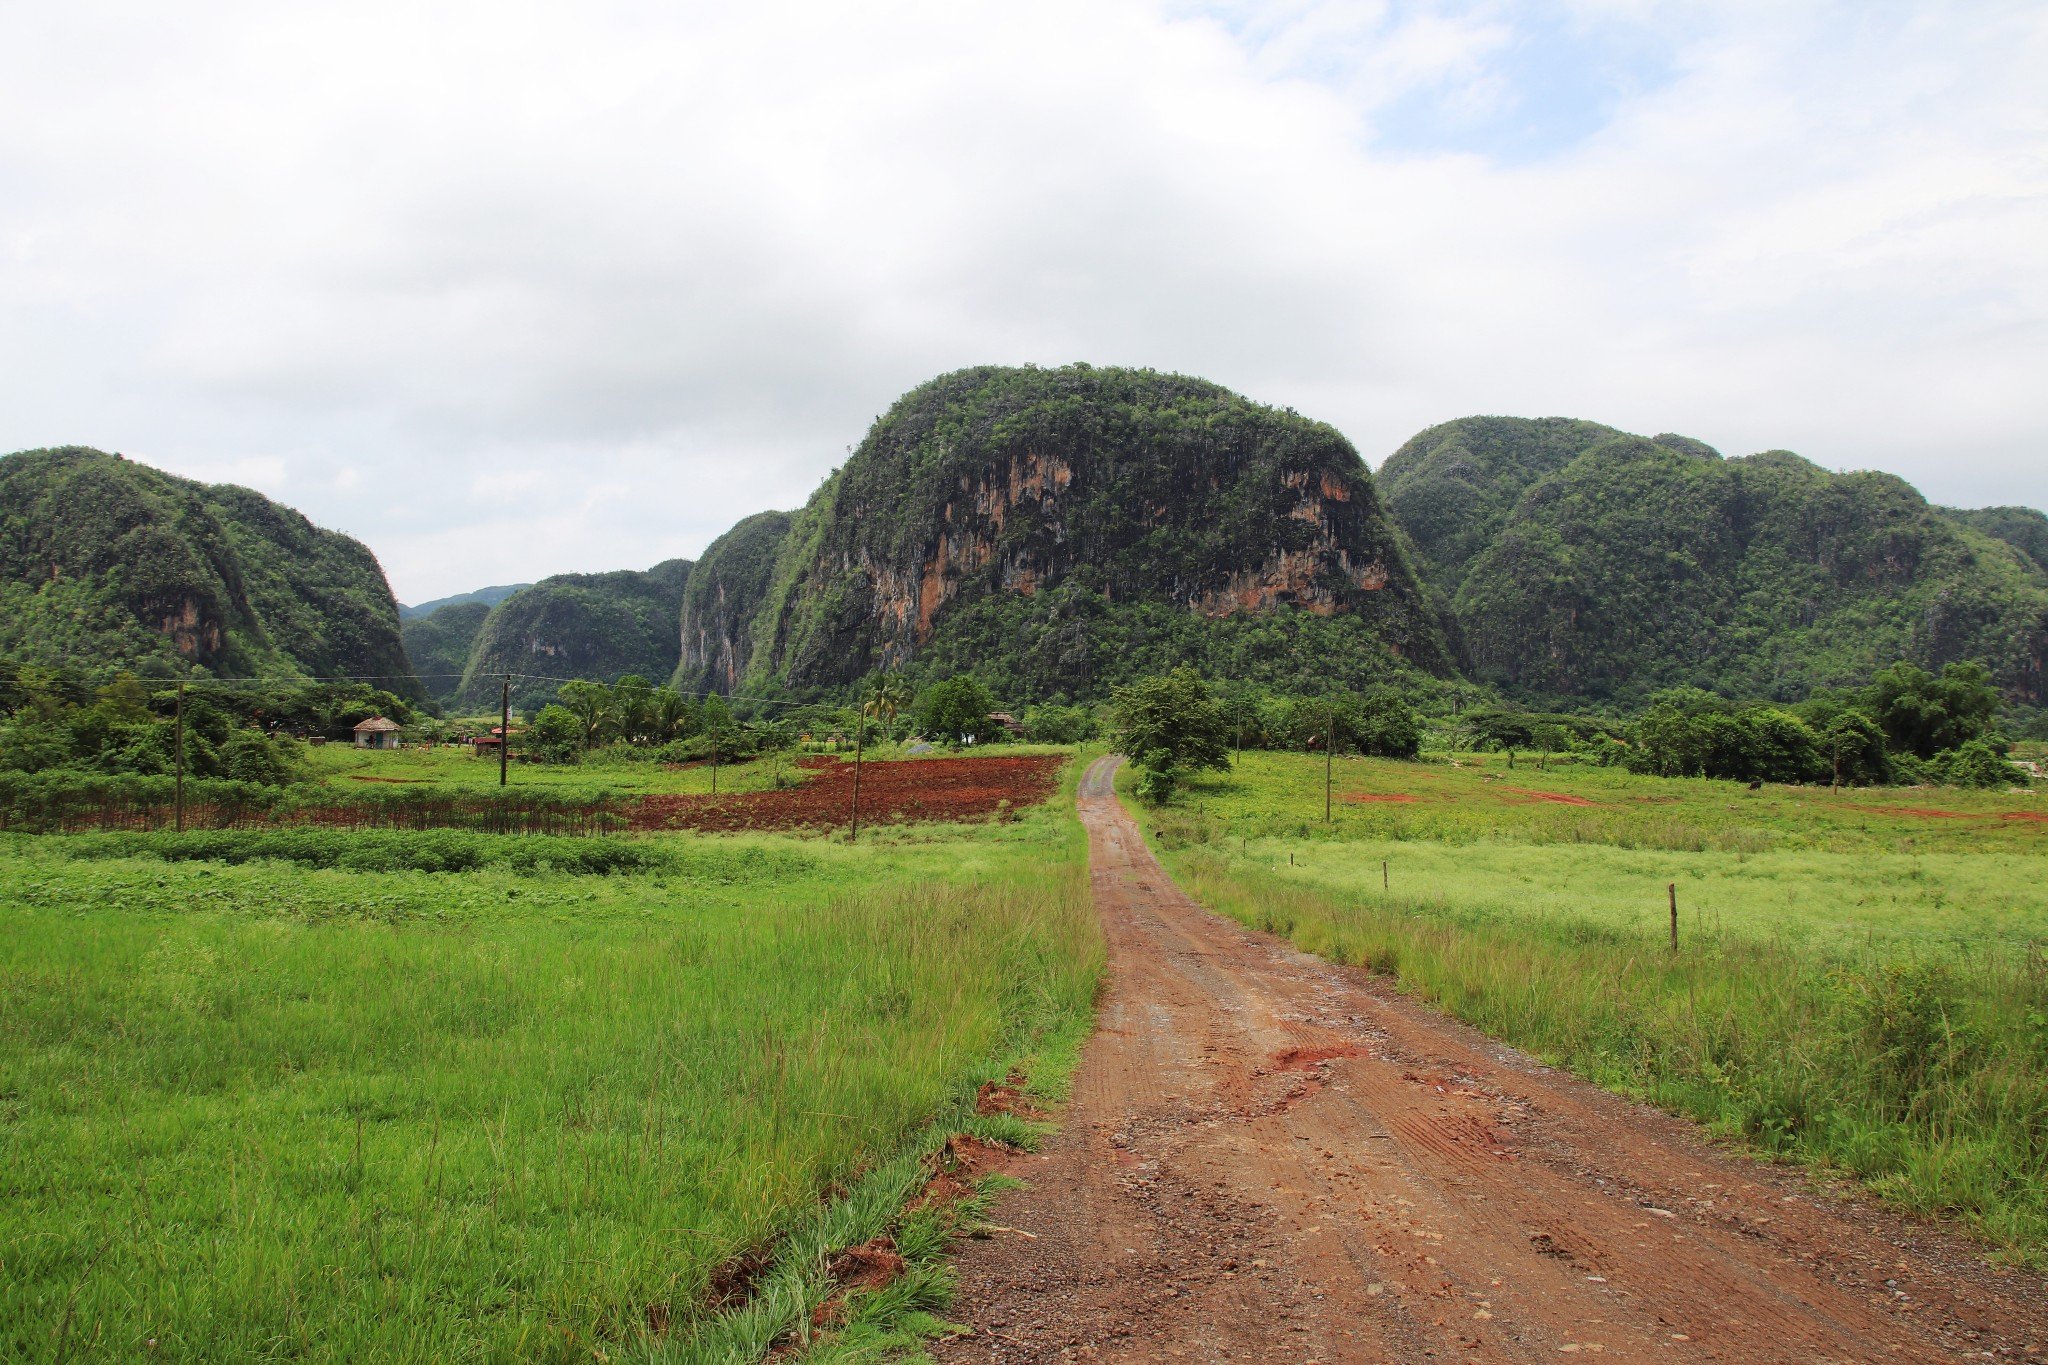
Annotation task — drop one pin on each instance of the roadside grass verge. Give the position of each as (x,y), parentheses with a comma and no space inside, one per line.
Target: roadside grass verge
(276,1106)
(1866,1023)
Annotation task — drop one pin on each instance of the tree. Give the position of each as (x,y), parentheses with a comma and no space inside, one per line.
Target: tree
(632,708)
(591,705)
(886,700)
(1382,724)
(721,732)
(671,715)
(1923,715)
(1171,726)
(1853,748)
(956,710)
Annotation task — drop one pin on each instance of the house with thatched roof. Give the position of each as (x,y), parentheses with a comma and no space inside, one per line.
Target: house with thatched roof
(377,733)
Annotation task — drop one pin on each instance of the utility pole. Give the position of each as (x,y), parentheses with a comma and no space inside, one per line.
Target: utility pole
(181,757)
(505,730)
(860,738)
(1329,761)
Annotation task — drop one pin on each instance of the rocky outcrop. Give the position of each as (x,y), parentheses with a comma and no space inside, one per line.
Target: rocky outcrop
(1129,487)
(725,591)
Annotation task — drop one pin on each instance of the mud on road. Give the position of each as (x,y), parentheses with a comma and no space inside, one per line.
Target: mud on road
(1272,1158)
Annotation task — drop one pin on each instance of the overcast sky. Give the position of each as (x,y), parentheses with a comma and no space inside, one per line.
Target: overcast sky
(506,289)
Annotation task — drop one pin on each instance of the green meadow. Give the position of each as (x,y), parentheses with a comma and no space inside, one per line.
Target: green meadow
(1860,981)
(314,1095)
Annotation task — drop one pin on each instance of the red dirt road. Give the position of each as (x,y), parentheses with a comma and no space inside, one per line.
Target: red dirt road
(1272,1158)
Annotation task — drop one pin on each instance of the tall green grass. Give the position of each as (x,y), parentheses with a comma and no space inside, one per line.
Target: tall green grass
(274,1109)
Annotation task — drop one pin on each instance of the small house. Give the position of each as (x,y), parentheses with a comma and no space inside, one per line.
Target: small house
(483,745)
(377,733)
(1011,725)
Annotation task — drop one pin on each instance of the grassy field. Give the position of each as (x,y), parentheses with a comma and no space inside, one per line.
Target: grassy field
(291,1105)
(1860,983)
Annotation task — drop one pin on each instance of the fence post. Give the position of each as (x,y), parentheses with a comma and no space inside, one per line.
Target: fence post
(1673,890)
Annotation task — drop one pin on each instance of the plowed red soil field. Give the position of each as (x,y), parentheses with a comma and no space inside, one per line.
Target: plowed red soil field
(904,791)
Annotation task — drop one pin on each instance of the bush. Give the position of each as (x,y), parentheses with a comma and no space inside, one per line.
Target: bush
(1975,764)
(1060,724)
(556,736)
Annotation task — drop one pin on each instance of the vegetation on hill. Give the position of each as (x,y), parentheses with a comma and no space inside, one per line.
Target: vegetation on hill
(109,564)
(1053,529)
(720,601)
(1579,563)
(597,626)
(2023,528)
(438,644)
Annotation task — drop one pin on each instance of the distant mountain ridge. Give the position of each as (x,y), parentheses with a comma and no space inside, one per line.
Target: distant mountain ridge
(106,563)
(1058,531)
(489,597)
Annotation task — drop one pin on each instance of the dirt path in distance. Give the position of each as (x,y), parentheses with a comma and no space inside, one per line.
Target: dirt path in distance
(1272,1158)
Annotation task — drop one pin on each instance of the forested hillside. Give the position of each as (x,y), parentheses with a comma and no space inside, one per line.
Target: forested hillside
(725,591)
(598,626)
(2023,528)
(1576,562)
(1057,531)
(439,643)
(105,563)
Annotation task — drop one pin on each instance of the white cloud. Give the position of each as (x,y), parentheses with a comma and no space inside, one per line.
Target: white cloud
(577,289)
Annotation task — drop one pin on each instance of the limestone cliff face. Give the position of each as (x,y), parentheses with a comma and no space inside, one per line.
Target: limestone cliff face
(720,600)
(1119,487)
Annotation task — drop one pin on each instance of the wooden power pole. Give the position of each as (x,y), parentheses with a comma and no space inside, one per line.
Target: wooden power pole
(505,730)
(1329,761)
(860,739)
(180,745)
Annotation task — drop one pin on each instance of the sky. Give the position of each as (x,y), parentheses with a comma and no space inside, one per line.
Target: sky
(513,289)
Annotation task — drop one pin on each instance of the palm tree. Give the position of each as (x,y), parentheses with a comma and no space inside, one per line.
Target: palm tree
(888,698)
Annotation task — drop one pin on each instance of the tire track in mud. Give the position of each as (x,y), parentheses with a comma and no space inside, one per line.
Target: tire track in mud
(1269,1157)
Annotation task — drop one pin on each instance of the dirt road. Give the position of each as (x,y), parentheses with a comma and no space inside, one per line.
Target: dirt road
(1271,1158)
